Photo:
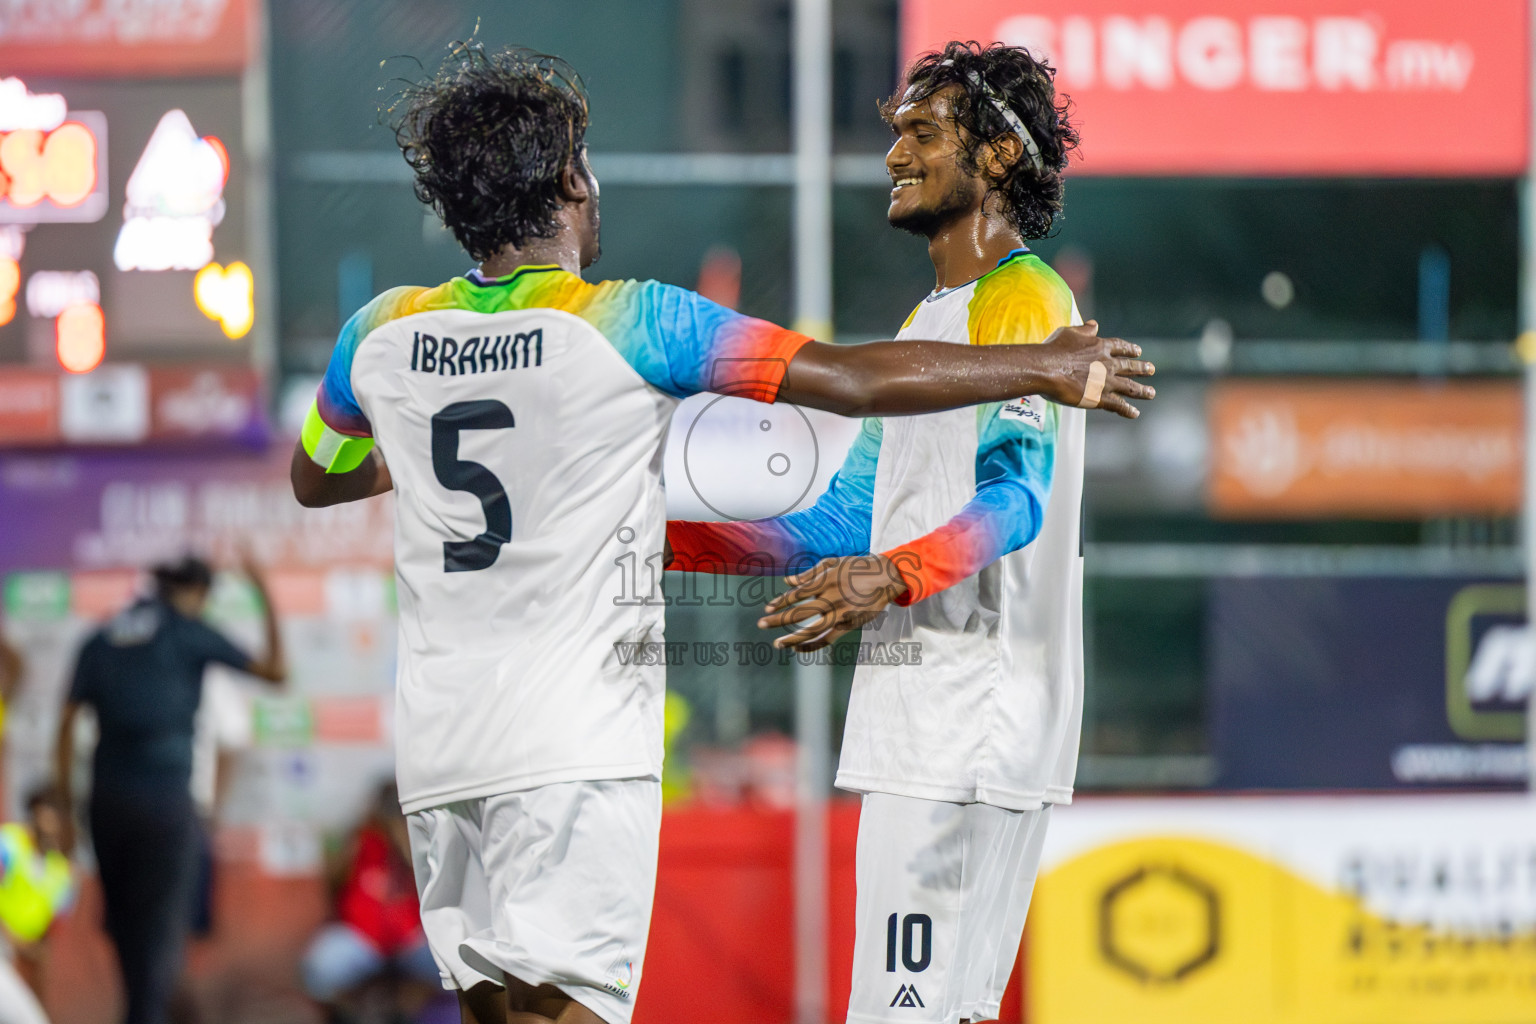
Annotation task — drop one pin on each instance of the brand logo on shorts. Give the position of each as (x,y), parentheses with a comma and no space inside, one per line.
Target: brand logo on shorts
(622,976)
(907,996)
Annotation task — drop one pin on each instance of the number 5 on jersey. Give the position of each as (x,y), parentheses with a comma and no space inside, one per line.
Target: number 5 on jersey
(458,474)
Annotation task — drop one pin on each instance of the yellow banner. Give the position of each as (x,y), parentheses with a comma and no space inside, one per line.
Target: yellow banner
(1192,929)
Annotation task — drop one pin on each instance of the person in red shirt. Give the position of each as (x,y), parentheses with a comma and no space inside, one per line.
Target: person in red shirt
(377,931)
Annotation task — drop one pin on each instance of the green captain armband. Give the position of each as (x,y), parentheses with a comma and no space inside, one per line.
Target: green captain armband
(332,450)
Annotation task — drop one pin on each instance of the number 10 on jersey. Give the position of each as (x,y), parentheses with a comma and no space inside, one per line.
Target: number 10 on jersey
(916,942)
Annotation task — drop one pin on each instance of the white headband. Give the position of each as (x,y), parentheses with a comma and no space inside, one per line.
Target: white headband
(1015,123)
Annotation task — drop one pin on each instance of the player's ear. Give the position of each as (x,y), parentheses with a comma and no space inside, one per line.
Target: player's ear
(575,185)
(1002,154)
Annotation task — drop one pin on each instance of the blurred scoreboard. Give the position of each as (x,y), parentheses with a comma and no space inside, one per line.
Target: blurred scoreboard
(117,197)
(125,238)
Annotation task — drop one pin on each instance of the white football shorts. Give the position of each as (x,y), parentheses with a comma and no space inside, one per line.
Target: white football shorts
(943,890)
(551,885)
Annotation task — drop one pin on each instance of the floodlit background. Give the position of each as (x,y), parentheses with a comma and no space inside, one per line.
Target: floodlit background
(1304,760)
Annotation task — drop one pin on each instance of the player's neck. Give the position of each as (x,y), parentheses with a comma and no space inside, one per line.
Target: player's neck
(561,251)
(970,245)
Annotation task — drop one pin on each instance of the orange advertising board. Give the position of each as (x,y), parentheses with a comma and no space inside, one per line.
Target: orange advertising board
(124,38)
(1381,450)
(1254,87)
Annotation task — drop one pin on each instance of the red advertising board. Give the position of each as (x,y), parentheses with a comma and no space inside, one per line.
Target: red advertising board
(205,402)
(29,406)
(1270,87)
(124,38)
(125,403)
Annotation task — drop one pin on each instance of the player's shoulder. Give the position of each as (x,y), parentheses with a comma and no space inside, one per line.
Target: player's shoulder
(636,290)
(553,288)
(380,311)
(630,307)
(471,293)
(1023,299)
(1022,280)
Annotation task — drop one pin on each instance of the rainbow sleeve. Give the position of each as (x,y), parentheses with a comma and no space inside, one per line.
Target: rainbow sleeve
(838,524)
(676,340)
(1021,302)
(336,434)
(683,343)
(1013,482)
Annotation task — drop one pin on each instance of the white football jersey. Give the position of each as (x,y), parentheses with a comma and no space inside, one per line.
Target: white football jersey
(972,690)
(523,421)
(993,710)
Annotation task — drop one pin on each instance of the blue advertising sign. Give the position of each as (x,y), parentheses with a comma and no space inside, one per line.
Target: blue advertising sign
(1368,683)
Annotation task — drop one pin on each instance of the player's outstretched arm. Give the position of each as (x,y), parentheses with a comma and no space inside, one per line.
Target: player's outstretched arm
(316,488)
(758,547)
(1074,366)
(840,594)
(1015,466)
(837,524)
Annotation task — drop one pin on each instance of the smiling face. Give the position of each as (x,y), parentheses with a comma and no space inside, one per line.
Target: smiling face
(931,187)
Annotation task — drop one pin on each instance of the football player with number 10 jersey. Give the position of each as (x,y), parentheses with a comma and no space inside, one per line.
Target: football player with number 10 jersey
(974,513)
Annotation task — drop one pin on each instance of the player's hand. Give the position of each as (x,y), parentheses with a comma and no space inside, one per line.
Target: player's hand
(1098,373)
(836,595)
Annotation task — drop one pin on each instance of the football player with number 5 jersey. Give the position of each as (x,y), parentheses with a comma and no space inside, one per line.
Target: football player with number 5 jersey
(519,414)
(975,516)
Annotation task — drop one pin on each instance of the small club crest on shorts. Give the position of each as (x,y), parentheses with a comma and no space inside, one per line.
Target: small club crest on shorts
(907,996)
(621,978)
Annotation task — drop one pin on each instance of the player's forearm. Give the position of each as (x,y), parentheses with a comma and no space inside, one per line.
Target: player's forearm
(759,547)
(748,548)
(1074,366)
(315,488)
(900,378)
(998,520)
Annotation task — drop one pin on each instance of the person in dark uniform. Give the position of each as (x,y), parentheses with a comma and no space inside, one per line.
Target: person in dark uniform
(142,673)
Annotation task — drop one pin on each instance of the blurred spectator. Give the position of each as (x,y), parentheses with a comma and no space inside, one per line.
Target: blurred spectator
(760,773)
(11,669)
(143,674)
(35,888)
(376,934)
(10,675)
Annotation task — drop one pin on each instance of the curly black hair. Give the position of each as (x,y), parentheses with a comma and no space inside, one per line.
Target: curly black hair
(1032,197)
(487,137)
